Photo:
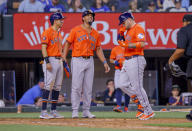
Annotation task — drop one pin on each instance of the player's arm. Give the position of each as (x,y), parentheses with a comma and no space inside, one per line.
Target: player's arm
(66,50)
(44,50)
(112,56)
(101,56)
(45,56)
(131,45)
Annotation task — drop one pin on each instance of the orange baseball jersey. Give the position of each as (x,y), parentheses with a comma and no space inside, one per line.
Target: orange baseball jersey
(117,53)
(83,43)
(53,40)
(134,35)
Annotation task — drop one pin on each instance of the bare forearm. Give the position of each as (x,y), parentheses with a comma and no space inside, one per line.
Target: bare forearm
(66,49)
(131,45)
(44,51)
(176,55)
(100,54)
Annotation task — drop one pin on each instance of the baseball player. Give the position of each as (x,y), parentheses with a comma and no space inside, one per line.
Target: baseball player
(84,41)
(184,47)
(117,57)
(131,75)
(53,65)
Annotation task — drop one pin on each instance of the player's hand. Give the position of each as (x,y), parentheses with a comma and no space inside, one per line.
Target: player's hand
(48,67)
(123,43)
(64,59)
(107,68)
(117,63)
(122,30)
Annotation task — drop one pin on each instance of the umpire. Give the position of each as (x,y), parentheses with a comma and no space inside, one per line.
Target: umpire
(184,47)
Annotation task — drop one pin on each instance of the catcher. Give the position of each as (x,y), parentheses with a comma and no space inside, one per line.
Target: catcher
(184,47)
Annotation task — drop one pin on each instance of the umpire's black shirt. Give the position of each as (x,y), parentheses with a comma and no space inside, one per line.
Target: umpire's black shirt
(184,39)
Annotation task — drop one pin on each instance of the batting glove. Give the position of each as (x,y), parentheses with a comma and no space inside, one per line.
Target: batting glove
(117,63)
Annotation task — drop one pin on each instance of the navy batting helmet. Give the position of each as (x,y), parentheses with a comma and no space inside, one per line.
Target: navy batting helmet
(124,16)
(56,16)
(87,12)
(187,17)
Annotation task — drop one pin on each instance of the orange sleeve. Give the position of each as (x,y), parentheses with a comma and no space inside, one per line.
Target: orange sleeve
(140,34)
(45,37)
(98,44)
(71,36)
(113,55)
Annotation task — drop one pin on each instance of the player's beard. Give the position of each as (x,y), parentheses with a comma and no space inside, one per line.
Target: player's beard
(90,22)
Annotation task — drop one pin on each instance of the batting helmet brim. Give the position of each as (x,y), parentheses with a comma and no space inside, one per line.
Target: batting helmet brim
(87,12)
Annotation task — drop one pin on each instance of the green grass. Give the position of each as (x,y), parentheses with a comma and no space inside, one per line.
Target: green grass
(189,125)
(161,115)
(53,128)
(18,127)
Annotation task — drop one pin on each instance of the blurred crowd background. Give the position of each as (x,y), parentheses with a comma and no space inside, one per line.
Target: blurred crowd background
(14,6)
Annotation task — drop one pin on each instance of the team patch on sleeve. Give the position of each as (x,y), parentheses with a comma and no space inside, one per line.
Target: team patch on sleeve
(140,36)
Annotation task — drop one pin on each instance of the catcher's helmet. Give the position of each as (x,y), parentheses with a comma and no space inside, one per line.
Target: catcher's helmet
(56,16)
(87,12)
(124,16)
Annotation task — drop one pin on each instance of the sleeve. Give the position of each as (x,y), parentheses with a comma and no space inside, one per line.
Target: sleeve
(182,39)
(21,7)
(71,36)
(44,38)
(98,41)
(140,34)
(113,56)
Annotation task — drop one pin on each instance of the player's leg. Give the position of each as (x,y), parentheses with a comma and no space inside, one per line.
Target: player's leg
(87,87)
(124,80)
(140,109)
(127,100)
(57,88)
(77,69)
(136,78)
(118,92)
(49,79)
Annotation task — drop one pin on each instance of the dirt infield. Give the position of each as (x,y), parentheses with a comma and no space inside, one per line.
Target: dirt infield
(101,123)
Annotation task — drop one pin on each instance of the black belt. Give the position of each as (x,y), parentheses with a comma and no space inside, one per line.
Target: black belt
(130,57)
(86,57)
(57,57)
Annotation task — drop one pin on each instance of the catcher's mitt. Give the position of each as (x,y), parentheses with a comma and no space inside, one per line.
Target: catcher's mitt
(174,69)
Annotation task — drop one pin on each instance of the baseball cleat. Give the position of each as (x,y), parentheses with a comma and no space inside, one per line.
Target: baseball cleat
(125,109)
(88,114)
(75,114)
(45,115)
(55,114)
(117,109)
(146,117)
(139,113)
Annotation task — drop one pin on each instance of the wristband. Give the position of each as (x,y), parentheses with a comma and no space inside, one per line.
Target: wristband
(46,59)
(104,61)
